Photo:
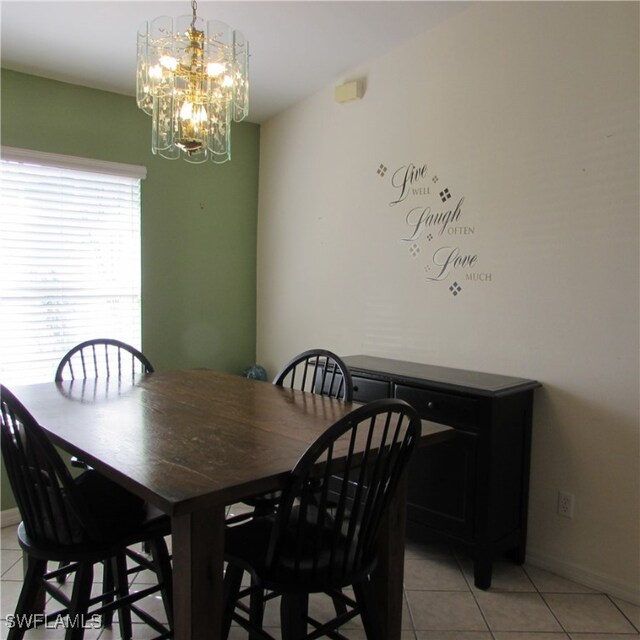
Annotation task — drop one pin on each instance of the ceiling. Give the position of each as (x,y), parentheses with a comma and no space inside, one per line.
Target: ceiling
(297,47)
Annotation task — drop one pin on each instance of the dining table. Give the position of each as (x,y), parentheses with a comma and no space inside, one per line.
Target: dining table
(192,442)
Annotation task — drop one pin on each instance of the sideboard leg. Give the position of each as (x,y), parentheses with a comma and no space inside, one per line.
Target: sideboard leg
(482,567)
(518,554)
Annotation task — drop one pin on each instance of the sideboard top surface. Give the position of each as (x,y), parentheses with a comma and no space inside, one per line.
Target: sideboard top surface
(489,384)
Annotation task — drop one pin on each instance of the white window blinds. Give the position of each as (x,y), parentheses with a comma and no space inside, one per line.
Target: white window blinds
(69,259)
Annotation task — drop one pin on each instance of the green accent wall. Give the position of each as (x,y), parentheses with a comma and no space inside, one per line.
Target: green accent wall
(199,222)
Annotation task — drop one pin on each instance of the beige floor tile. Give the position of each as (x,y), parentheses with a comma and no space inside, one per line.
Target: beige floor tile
(604,636)
(445,611)
(140,632)
(631,611)
(358,634)
(510,611)
(41,633)
(11,564)
(154,606)
(588,613)
(453,635)
(528,635)
(9,538)
(238,633)
(434,572)
(547,582)
(9,592)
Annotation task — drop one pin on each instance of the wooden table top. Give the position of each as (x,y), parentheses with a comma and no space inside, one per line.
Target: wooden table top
(183,439)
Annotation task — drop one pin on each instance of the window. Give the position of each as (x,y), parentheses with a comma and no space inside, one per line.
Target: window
(69,258)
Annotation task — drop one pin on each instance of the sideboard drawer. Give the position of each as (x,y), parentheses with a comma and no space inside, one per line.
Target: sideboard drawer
(446,408)
(367,390)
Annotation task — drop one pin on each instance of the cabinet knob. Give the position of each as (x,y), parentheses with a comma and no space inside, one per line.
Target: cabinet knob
(431,404)
(355,387)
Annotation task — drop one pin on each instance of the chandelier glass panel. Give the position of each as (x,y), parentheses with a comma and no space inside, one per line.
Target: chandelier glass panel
(193,81)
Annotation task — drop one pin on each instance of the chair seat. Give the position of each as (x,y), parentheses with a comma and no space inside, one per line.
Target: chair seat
(115,517)
(157,525)
(316,566)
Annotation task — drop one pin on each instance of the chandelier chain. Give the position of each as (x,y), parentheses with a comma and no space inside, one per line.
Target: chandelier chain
(194,6)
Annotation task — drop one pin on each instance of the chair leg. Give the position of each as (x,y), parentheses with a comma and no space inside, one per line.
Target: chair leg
(79,601)
(107,587)
(230,590)
(121,584)
(256,611)
(63,576)
(339,605)
(294,608)
(160,556)
(366,604)
(28,600)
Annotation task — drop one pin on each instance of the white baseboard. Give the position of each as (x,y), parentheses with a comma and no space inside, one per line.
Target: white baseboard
(587,577)
(9,517)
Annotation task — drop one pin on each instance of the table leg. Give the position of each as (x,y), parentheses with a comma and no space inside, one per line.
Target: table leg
(198,561)
(387,579)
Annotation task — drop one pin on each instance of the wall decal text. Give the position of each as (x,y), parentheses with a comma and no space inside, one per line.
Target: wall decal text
(434,225)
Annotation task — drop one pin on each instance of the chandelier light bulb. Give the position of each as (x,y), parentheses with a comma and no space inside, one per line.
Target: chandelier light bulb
(214,69)
(186,111)
(169,63)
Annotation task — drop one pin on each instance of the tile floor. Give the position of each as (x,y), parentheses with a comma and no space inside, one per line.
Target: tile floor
(441,603)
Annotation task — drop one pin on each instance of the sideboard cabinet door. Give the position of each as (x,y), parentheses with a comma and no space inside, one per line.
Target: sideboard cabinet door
(442,485)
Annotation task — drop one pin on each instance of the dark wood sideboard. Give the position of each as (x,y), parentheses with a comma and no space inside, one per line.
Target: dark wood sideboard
(473,488)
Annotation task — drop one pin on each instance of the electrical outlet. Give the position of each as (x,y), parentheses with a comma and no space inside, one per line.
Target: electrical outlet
(565,504)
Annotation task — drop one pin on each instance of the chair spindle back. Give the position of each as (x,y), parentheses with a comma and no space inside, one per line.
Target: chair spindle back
(102,357)
(319,371)
(330,513)
(41,483)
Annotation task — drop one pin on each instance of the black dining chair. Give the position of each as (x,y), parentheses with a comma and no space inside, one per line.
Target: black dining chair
(77,522)
(323,534)
(102,357)
(317,371)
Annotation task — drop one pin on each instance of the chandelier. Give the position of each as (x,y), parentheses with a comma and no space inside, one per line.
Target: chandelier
(192,81)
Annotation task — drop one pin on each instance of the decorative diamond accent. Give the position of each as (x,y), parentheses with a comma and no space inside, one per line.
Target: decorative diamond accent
(435,179)
(382,170)
(455,288)
(414,249)
(445,195)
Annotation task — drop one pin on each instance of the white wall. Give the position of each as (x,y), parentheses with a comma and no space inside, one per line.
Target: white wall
(529,113)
